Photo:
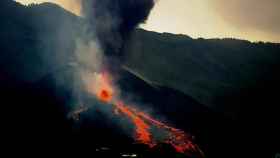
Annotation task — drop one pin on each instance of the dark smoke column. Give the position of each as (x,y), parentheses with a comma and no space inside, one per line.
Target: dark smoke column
(113,20)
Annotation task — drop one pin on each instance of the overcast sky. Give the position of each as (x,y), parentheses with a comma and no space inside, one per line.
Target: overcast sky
(254,20)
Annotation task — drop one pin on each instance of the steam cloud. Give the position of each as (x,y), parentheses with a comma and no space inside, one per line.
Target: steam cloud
(106,26)
(113,20)
(93,91)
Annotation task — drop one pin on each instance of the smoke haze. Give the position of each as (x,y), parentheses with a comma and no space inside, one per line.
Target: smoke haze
(251,15)
(113,20)
(255,20)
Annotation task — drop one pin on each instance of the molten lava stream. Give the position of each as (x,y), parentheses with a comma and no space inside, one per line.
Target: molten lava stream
(142,129)
(104,91)
(175,137)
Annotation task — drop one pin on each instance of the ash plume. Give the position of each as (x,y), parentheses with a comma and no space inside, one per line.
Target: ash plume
(105,26)
(113,20)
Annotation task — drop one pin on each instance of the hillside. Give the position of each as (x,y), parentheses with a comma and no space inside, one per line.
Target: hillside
(216,72)
(31,37)
(207,69)
(235,78)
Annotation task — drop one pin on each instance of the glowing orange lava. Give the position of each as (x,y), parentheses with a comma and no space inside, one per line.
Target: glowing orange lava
(142,129)
(176,137)
(103,88)
(99,85)
(105,95)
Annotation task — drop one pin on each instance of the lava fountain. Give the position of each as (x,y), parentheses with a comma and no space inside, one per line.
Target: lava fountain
(101,86)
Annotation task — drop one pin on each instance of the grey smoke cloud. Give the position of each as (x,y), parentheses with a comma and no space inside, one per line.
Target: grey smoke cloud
(113,20)
(102,34)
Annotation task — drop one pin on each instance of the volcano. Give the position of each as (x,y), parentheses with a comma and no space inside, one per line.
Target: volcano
(101,86)
(46,116)
(207,129)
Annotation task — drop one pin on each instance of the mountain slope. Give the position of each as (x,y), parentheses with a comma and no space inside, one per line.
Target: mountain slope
(31,37)
(207,69)
(234,77)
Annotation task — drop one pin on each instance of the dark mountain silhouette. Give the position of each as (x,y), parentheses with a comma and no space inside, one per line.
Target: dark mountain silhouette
(236,77)
(234,83)
(204,68)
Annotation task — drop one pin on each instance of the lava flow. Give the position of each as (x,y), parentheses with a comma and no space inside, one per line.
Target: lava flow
(142,128)
(102,87)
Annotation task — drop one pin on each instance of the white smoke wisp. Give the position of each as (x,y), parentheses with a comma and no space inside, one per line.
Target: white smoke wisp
(87,62)
(89,55)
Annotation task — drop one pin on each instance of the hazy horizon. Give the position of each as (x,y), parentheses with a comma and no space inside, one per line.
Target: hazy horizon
(253,20)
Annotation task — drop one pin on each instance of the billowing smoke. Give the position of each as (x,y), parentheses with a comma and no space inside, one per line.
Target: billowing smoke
(105,27)
(113,20)
(93,92)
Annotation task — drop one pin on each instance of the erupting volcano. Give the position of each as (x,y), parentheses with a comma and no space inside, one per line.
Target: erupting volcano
(112,21)
(147,130)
